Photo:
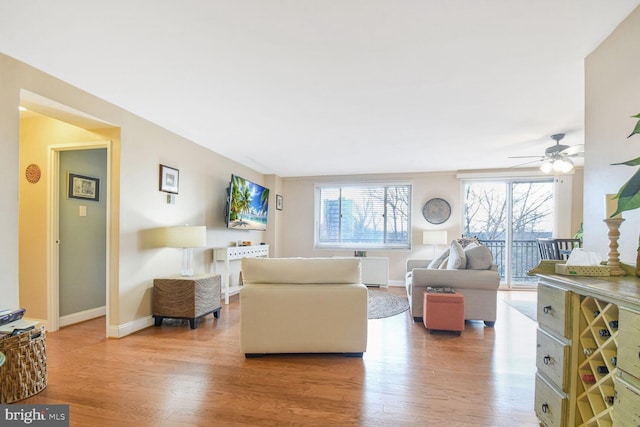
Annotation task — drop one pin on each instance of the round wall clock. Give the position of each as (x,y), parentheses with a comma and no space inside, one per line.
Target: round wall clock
(33,173)
(436,211)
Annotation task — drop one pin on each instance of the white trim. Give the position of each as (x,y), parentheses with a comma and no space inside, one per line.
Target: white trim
(317,203)
(362,183)
(82,316)
(53,285)
(536,173)
(53,255)
(119,331)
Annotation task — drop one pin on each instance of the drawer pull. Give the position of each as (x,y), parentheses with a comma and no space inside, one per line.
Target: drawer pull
(546,359)
(546,309)
(545,408)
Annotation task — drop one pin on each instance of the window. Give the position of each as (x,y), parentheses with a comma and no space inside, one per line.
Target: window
(508,216)
(363,216)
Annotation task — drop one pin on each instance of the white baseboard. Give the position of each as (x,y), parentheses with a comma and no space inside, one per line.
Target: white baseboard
(113,331)
(81,316)
(119,331)
(399,283)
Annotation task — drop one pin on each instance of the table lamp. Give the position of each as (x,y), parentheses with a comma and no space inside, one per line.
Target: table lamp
(186,238)
(433,238)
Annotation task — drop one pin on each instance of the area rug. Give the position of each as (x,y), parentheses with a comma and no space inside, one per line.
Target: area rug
(383,304)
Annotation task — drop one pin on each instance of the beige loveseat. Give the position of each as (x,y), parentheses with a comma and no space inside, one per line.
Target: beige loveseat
(478,282)
(302,305)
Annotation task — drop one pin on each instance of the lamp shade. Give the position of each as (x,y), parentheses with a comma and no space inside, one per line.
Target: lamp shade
(186,237)
(434,237)
(547,166)
(563,165)
(557,165)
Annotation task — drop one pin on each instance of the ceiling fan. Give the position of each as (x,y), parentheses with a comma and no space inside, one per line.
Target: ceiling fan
(557,158)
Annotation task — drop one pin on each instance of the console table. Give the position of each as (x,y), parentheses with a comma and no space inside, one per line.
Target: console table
(587,356)
(234,253)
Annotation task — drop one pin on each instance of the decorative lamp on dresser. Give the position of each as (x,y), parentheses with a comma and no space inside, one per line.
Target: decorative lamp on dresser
(588,351)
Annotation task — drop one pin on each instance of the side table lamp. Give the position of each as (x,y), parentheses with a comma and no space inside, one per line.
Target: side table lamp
(434,238)
(186,238)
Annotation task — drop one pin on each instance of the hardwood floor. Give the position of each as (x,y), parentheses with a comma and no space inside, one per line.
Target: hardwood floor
(175,376)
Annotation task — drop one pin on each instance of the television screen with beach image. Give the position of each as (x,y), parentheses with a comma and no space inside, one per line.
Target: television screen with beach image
(248,205)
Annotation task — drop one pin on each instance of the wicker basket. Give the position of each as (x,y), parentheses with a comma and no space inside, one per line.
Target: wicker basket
(25,370)
(580,270)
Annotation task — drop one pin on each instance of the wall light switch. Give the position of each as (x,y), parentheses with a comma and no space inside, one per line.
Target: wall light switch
(171,199)
(83,211)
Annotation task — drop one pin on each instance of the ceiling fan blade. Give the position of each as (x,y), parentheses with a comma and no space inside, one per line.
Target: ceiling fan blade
(526,157)
(574,150)
(525,163)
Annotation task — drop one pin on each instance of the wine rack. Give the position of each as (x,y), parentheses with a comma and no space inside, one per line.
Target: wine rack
(597,359)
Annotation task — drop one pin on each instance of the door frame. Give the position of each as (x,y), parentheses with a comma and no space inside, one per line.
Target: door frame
(508,181)
(53,228)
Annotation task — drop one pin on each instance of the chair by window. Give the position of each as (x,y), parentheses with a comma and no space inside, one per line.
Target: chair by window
(558,249)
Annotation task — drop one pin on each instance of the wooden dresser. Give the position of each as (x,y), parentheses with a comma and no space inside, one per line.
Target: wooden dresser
(588,351)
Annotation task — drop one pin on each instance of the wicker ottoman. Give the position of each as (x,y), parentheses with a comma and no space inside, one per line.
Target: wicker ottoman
(186,297)
(443,311)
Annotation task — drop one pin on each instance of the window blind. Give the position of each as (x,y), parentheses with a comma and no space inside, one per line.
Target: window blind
(371,216)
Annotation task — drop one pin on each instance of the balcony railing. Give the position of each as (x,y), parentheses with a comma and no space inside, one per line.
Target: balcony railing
(524,256)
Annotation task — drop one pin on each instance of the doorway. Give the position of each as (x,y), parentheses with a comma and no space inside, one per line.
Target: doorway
(48,129)
(508,216)
(81,242)
(76,226)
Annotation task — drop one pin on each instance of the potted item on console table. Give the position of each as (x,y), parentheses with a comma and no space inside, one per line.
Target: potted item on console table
(628,199)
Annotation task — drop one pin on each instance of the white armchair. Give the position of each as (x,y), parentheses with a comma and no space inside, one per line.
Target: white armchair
(303,305)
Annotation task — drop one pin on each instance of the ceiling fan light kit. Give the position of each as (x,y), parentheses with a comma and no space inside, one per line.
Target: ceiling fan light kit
(556,158)
(559,165)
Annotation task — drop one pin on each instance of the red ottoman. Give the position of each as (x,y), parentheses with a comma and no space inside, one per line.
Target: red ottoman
(443,311)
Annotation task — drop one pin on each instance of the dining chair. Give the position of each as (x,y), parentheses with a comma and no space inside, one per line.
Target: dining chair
(557,249)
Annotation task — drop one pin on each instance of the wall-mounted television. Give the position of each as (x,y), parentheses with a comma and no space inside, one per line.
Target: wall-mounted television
(247,205)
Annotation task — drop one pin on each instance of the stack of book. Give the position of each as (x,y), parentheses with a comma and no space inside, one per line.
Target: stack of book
(12,322)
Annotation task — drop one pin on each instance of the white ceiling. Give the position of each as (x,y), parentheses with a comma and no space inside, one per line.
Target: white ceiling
(301,88)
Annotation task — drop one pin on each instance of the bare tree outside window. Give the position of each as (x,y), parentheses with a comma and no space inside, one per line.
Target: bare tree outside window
(487,212)
(370,216)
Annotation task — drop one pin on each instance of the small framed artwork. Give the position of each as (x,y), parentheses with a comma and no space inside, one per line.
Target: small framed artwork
(169,179)
(278,202)
(83,187)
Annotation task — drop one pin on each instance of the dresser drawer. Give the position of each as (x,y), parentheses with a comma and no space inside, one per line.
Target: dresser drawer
(553,308)
(551,356)
(629,342)
(627,404)
(550,406)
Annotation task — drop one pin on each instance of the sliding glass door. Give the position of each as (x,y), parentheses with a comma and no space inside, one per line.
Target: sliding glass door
(508,216)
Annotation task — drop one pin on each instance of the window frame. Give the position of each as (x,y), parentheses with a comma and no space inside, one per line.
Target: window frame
(362,246)
(506,268)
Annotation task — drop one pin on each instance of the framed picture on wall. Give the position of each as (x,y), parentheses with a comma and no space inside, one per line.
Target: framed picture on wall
(83,187)
(169,179)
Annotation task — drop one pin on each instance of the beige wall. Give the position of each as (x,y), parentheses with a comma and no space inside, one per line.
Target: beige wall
(612,87)
(612,95)
(577,214)
(36,135)
(298,214)
(9,135)
(136,205)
